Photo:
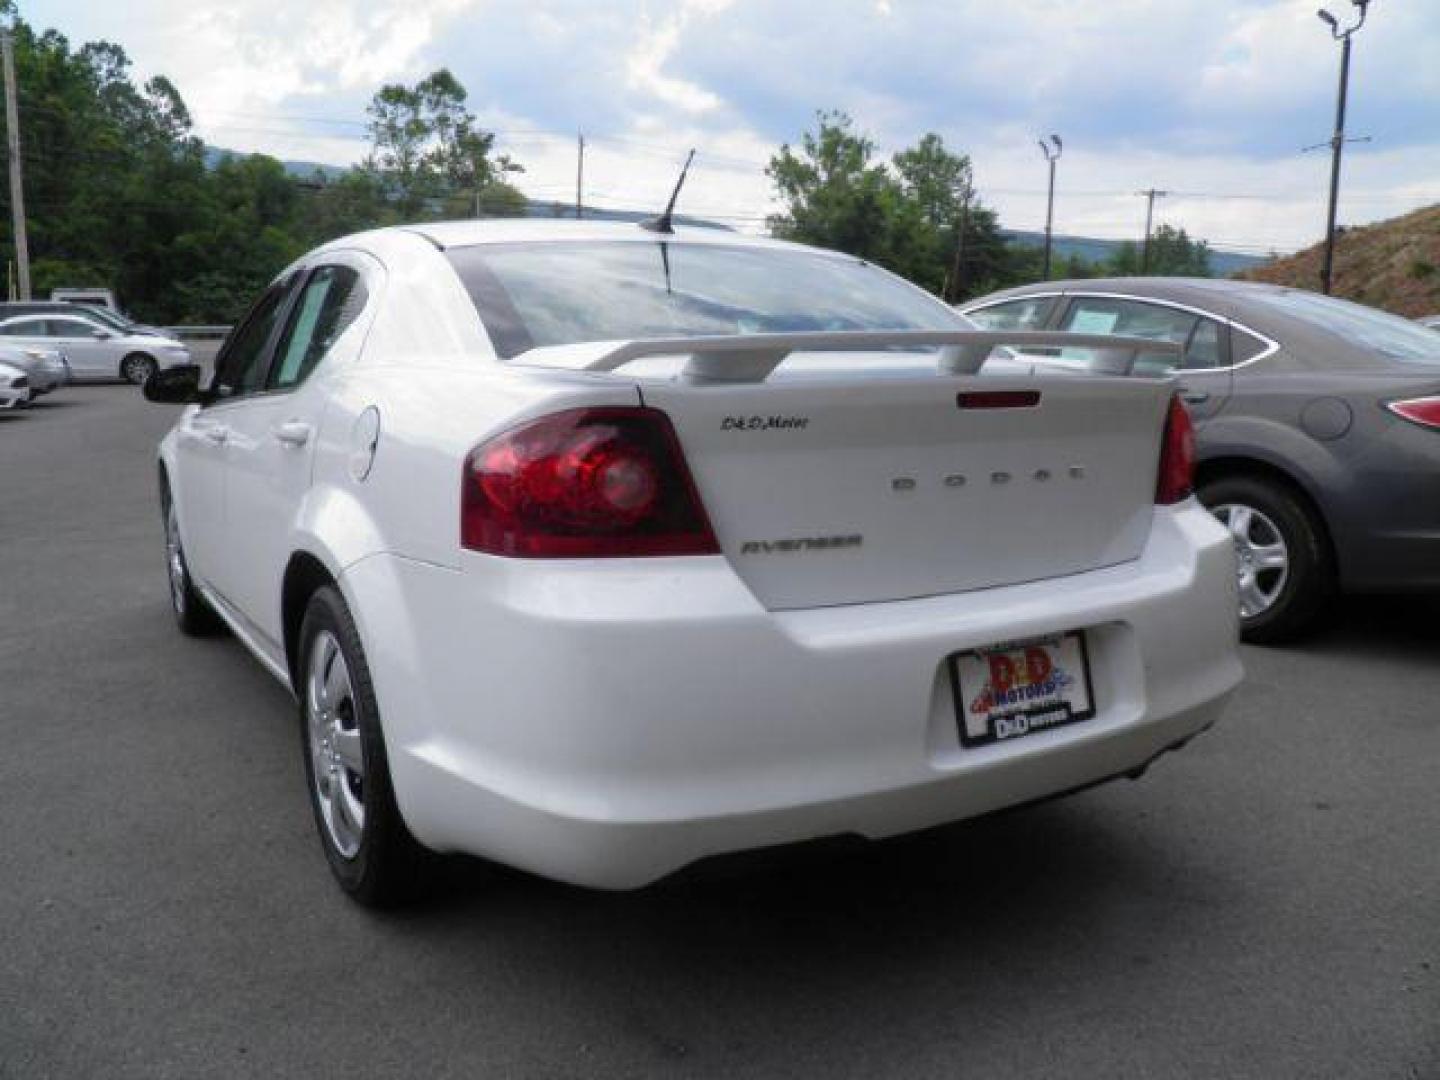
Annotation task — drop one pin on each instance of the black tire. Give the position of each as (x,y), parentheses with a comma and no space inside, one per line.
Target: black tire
(1309,584)
(136,368)
(388,866)
(193,613)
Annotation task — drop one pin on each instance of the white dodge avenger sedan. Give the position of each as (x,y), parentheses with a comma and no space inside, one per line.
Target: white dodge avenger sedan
(596,549)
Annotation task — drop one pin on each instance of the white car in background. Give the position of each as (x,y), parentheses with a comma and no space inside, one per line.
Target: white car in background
(93,349)
(14,387)
(597,550)
(47,369)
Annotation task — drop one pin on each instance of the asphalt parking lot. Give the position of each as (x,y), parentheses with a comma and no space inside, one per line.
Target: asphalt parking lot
(1264,904)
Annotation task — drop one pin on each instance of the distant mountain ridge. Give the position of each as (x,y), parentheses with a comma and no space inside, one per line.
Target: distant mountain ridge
(1394,265)
(1092,249)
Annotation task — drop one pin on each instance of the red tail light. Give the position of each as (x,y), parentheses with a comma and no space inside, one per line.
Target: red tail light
(1424,411)
(587,483)
(1177,457)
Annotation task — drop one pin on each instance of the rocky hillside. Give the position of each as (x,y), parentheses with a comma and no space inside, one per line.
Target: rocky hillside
(1392,264)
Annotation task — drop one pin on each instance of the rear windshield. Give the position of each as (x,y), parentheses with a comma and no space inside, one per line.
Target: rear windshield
(1389,335)
(559,293)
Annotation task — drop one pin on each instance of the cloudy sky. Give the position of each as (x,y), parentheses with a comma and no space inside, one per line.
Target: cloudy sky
(1211,100)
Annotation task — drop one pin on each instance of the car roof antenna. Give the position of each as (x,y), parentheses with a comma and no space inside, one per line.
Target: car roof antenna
(663,224)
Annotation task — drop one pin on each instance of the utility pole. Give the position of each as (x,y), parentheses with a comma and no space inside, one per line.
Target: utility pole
(579,175)
(1337,140)
(954,289)
(17,186)
(1150,196)
(1050,157)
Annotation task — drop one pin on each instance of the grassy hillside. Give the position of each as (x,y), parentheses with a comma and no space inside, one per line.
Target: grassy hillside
(1392,264)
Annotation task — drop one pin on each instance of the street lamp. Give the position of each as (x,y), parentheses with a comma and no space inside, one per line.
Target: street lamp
(1337,141)
(1052,157)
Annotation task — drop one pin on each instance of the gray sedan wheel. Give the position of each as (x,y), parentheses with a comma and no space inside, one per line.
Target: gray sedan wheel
(1262,561)
(1283,567)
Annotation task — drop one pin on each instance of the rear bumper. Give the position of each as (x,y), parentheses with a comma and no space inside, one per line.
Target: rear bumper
(608,724)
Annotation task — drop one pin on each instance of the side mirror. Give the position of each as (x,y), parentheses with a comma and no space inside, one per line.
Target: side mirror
(177,385)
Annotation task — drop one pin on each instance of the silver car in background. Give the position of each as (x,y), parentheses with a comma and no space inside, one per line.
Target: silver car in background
(14,387)
(47,369)
(94,350)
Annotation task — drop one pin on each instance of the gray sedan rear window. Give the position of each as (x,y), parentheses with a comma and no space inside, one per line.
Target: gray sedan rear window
(560,292)
(1386,334)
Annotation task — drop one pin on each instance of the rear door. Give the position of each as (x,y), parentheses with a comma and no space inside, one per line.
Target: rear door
(1204,371)
(88,346)
(848,489)
(272,433)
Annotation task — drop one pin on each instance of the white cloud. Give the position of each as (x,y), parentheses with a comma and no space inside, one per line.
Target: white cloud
(1190,95)
(657,40)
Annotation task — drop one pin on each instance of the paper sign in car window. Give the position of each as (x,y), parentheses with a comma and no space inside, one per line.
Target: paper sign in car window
(1093,322)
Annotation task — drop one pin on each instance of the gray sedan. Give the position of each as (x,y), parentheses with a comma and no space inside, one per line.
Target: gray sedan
(1317,421)
(94,350)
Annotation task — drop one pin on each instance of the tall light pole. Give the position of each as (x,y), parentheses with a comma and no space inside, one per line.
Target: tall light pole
(1051,156)
(1337,140)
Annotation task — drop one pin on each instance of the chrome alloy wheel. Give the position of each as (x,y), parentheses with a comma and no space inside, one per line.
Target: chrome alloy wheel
(174,559)
(1262,561)
(333,736)
(136,369)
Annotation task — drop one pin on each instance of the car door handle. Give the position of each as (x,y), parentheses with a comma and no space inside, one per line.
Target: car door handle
(214,433)
(1194,397)
(293,433)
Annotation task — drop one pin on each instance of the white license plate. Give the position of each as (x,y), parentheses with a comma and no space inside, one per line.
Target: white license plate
(1021,688)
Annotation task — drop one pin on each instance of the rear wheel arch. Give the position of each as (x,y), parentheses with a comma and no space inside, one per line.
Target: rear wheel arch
(1223,468)
(305,574)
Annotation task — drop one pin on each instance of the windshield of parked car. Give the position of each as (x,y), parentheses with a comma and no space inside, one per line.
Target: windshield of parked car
(104,315)
(559,293)
(1389,335)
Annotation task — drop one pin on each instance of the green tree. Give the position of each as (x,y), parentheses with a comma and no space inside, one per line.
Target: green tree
(429,150)
(834,195)
(1172,254)
(918,216)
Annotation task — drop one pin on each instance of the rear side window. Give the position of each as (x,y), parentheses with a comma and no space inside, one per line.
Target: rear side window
(1199,337)
(1245,345)
(1204,348)
(1027,313)
(331,300)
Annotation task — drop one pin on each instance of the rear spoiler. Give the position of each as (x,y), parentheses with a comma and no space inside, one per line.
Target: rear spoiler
(752,357)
